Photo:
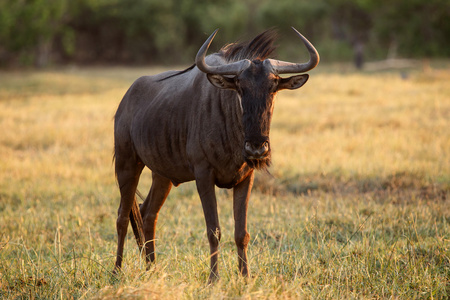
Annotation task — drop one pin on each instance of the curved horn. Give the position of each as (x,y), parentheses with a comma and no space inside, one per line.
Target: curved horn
(227,69)
(282,67)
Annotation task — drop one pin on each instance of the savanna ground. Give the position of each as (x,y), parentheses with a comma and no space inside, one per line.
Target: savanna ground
(356,205)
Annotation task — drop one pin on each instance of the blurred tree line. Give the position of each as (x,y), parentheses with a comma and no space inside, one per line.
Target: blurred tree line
(43,32)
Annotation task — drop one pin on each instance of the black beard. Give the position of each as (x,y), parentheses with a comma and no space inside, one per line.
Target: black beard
(259,164)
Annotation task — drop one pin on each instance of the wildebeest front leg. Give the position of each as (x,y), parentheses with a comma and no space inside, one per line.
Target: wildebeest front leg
(205,187)
(149,210)
(241,195)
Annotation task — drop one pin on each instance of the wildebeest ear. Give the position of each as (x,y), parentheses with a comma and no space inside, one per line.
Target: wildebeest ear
(293,82)
(222,82)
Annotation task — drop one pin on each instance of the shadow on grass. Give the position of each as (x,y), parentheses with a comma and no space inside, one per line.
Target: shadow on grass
(398,183)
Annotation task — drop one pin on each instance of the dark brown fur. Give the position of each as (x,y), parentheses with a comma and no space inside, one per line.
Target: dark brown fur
(190,125)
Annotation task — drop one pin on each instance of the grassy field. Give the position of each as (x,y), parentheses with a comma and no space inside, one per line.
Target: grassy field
(356,206)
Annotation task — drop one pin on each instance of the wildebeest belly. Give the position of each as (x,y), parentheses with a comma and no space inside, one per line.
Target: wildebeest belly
(160,142)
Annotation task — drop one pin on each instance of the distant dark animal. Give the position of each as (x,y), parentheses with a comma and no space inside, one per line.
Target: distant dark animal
(209,123)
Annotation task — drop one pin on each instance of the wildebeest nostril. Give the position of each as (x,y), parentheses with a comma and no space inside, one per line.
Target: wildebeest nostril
(248,147)
(263,149)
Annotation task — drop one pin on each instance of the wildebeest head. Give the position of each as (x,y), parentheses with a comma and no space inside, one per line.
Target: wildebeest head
(256,82)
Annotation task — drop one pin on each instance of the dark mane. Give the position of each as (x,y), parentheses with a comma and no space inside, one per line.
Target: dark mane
(261,47)
(177,73)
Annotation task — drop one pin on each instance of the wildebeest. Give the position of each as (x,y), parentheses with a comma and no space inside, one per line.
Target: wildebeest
(209,123)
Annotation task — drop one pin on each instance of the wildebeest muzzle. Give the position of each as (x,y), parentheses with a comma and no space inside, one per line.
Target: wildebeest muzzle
(258,150)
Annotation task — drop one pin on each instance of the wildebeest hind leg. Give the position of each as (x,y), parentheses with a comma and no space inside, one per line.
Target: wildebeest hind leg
(149,210)
(128,172)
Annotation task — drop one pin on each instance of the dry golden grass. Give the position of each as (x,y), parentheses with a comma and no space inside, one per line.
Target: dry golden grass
(356,206)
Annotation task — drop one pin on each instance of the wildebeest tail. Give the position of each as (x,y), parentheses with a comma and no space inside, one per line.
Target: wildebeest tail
(137,225)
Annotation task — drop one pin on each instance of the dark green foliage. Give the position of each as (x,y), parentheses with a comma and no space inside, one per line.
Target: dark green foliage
(159,32)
